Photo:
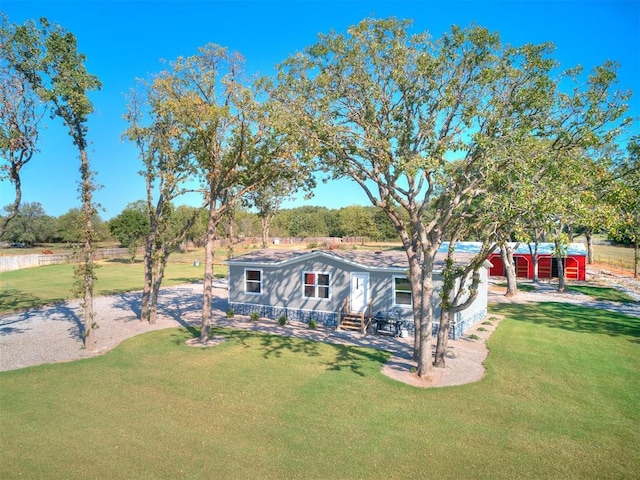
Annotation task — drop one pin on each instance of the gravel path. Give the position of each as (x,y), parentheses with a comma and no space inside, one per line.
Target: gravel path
(53,334)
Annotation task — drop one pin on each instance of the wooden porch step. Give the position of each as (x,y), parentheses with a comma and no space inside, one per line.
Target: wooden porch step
(351,321)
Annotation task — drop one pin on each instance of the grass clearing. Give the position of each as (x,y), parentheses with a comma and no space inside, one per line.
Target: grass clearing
(606,294)
(614,256)
(32,287)
(524,287)
(560,400)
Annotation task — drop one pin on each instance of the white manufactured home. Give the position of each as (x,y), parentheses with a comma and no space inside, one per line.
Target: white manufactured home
(346,289)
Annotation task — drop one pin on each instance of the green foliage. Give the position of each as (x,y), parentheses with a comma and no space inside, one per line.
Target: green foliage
(482,329)
(282,320)
(473,336)
(254,316)
(230,313)
(131,225)
(31,225)
(313,324)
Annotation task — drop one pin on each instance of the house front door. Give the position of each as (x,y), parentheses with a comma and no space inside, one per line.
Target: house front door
(359,291)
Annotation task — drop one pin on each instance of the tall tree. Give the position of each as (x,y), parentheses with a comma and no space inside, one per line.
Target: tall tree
(47,57)
(70,225)
(421,126)
(156,122)
(20,115)
(236,141)
(391,110)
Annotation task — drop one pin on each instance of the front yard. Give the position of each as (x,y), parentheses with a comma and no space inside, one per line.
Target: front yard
(560,400)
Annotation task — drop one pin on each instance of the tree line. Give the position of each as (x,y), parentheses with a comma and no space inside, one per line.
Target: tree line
(457,137)
(32,226)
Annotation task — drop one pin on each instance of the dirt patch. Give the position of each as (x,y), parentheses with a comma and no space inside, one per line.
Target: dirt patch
(464,361)
(211,342)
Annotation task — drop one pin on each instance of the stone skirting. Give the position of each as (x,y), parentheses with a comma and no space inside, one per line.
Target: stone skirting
(330,319)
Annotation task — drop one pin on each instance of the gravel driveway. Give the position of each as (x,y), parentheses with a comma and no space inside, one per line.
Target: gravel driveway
(53,333)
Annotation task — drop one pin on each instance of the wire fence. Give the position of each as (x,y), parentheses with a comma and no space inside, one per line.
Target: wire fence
(616,266)
(17,262)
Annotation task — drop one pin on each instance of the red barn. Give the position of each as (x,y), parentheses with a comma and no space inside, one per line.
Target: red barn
(575,262)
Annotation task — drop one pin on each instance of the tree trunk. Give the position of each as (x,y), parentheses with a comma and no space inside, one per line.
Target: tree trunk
(534,261)
(148,279)
(159,265)
(266,223)
(422,291)
(209,252)
(506,253)
(588,237)
(636,256)
(561,279)
(87,275)
(446,319)
(12,210)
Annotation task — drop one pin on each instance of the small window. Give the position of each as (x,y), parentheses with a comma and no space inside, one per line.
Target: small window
(401,291)
(253,281)
(316,285)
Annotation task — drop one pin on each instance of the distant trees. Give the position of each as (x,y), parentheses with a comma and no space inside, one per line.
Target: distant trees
(70,226)
(30,225)
(131,226)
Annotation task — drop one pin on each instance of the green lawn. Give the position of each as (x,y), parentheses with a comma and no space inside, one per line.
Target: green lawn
(560,400)
(607,294)
(31,287)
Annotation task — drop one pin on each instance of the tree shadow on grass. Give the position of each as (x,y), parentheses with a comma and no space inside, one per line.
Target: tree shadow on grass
(575,318)
(351,358)
(347,357)
(12,300)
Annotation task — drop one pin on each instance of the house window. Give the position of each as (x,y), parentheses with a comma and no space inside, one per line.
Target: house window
(316,285)
(253,281)
(401,291)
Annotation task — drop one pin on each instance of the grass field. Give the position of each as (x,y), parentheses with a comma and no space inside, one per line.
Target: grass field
(560,400)
(614,257)
(31,287)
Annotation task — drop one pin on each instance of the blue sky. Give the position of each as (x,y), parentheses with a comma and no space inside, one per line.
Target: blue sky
(125,39)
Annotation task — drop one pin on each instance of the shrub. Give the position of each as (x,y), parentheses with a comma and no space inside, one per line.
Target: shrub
(313,324)
(282,321)
(230,313)
(254,316)
(482,329)
(473,336)
(487,322)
